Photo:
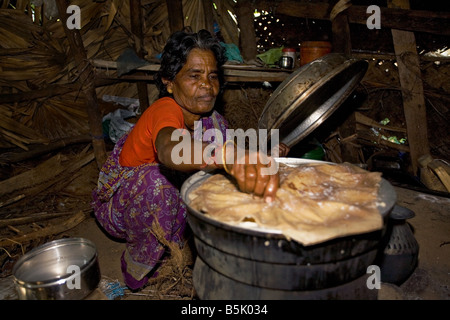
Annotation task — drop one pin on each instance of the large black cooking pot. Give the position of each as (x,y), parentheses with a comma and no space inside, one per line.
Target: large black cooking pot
(266,259)
(263,262)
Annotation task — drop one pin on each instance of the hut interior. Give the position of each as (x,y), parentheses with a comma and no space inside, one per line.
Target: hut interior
(61,84)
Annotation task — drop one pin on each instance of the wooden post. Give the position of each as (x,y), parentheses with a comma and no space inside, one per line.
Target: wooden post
(209,15)
(137,30)
(247,41)
(176,18)
(86,78)
(412,90)
(340,27)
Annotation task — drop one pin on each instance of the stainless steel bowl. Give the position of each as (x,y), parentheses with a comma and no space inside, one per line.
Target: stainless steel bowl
(65,269)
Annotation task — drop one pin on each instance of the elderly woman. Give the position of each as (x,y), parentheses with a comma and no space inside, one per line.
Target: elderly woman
(138,185)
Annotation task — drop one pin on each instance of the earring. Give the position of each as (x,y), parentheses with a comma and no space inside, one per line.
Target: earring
(169,90)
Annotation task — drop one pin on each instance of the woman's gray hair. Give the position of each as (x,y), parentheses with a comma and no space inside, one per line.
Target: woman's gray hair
(176,51)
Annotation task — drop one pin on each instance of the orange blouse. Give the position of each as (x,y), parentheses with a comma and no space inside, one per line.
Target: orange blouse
(139,148)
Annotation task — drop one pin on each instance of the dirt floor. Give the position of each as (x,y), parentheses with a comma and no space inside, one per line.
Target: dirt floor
(429,281)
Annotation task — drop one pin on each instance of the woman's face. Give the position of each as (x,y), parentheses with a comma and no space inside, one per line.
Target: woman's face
(196,85)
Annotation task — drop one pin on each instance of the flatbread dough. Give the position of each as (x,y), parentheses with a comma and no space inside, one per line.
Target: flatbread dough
(315,202)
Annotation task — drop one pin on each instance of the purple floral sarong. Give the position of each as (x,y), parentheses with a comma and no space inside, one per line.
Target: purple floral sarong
(128,200)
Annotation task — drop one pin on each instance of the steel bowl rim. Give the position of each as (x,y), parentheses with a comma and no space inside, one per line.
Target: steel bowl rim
(46,247)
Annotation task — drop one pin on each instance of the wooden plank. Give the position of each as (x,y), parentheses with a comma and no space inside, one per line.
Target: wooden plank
(405,19)
(360,118)
(232,73)
(396,18)
(366,54)
(412,90)
(364,137)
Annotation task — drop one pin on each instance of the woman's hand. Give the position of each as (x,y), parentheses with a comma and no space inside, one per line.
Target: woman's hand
(254,172)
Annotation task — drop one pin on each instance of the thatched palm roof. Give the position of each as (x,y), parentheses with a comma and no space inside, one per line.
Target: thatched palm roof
(35,55)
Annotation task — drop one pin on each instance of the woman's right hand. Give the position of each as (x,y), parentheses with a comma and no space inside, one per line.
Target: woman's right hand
(254,172)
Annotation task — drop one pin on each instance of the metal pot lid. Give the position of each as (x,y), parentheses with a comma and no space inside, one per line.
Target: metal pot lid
(306,98)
